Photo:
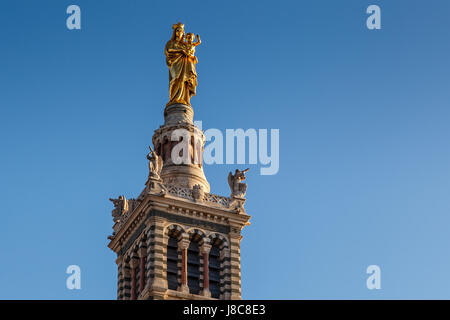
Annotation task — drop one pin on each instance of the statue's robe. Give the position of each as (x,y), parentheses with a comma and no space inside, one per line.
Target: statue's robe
(182,74)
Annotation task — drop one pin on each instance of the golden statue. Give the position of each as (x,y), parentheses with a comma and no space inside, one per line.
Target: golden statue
(181,60)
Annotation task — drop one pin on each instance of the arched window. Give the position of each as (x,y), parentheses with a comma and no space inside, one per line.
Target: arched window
(193,267)
(214,271)
(172,263)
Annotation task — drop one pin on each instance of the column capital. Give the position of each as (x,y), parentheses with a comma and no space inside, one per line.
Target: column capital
(205,248)
(142,252)
(134,263)
(183,243)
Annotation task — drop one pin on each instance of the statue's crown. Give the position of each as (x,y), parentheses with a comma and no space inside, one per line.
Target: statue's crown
(178,25)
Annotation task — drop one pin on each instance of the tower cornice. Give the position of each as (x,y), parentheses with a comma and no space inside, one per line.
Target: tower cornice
(171,206)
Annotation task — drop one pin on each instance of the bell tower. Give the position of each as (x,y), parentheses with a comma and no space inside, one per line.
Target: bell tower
(177,240)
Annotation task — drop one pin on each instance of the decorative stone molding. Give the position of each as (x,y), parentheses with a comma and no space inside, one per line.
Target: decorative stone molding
(155,187)
(192,195)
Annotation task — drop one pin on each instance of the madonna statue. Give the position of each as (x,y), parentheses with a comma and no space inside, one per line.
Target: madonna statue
(181,60)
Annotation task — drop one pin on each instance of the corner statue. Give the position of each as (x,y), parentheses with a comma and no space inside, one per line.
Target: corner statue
(238,188)
(120,207)
(154,164)
(181,60)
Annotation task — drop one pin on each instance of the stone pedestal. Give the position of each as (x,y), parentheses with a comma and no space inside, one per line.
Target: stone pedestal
(178,113)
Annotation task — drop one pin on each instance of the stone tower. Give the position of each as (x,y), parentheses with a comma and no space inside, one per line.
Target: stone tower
(177,240)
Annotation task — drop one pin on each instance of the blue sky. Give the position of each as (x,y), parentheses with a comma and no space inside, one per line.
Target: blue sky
(364,139)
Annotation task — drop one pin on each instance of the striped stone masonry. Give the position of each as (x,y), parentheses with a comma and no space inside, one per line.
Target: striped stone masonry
(142,251)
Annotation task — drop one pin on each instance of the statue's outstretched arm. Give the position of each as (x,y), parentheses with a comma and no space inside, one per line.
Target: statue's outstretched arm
(198,41)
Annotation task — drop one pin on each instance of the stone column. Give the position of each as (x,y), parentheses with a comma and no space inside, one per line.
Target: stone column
(183,245)
(205,249)
(133,264)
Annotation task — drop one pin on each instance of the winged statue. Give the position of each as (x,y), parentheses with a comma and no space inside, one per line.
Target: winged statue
(237,187)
